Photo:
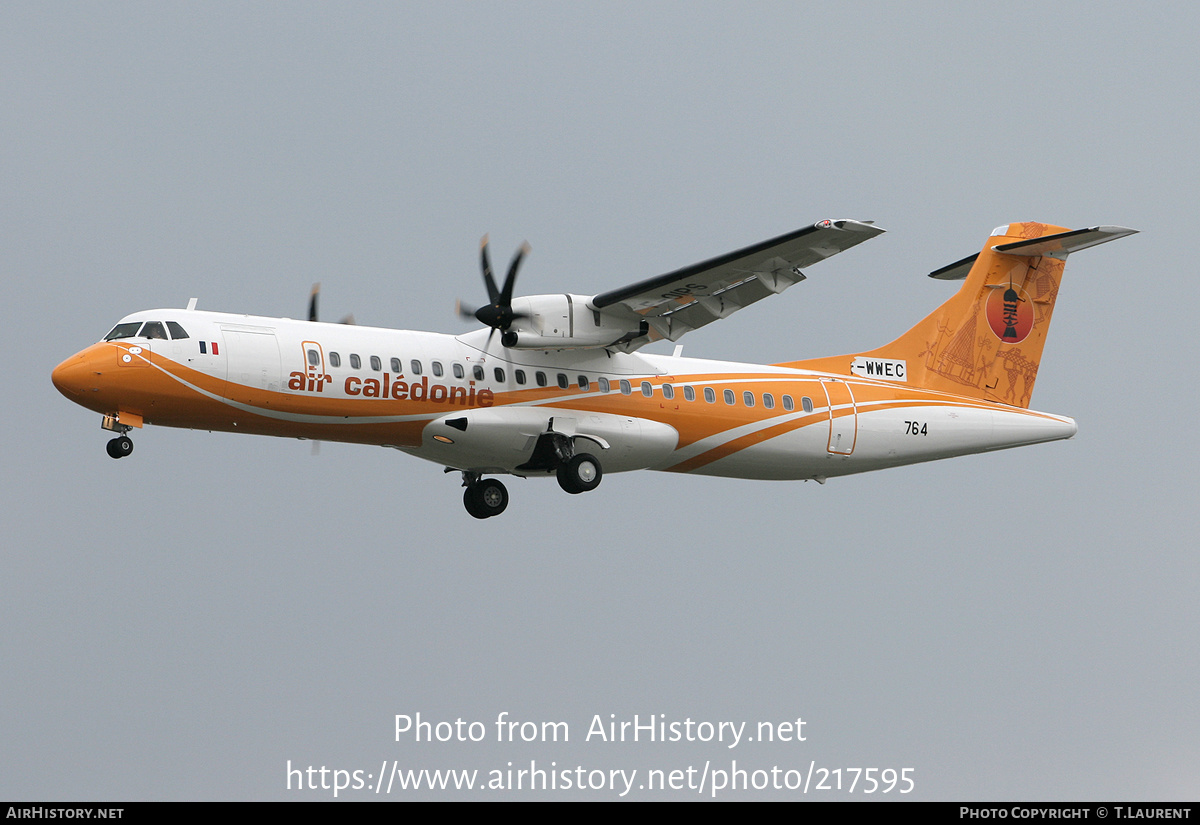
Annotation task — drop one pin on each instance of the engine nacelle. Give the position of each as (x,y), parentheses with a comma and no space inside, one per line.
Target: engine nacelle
(565,322)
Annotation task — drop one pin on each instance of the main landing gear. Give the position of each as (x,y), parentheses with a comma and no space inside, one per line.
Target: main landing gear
(484,497)
(487,497)
(580,474)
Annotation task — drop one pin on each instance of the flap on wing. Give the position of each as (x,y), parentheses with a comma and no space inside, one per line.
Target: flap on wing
(696,295)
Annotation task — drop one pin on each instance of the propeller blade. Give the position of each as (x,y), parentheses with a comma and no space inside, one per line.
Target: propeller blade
(510,281)
(463,311)
(312,301)
(486,264)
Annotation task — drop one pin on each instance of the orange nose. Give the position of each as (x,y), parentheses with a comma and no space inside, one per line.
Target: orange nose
(81,377)
(71,376)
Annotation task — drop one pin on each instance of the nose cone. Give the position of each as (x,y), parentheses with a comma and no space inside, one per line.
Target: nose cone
(81,377)
(71,376)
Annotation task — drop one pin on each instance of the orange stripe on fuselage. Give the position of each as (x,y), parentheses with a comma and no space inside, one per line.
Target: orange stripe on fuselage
(174,394)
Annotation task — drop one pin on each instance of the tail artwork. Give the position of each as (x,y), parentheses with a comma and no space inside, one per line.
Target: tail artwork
(985,341)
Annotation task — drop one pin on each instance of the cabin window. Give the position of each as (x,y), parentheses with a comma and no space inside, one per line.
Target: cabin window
(499,373)
(437,368)
(647,390)
(335,360)
(355,361)
(416,368)
(563,383)
(788,404)
(176,330)
(689,393)
(376,364)
(314,358)
(710,395)
(668,391)
(768,401)
(477,371)
(729,399)
(519,375)
(540,377)
(395,362)
(458,371)
(748,398)
(583,382)
(807,403)
(154,329)
(604,385)
(625,388)
(123,331)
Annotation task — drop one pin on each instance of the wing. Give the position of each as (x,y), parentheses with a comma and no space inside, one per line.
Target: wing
(687,298)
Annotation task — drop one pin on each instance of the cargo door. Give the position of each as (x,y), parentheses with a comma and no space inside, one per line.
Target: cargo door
(252,361)
(843,416)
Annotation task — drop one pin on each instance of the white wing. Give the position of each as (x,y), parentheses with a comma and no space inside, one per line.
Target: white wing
(687,298)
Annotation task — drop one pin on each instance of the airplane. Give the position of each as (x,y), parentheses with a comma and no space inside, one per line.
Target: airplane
(556,385)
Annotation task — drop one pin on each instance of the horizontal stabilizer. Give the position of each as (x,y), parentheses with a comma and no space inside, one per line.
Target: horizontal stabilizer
(955,271)
(1052,246)
(1063,244)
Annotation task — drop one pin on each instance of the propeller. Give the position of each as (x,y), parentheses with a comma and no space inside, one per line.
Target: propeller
(312,316)
(498,314)
(312,306)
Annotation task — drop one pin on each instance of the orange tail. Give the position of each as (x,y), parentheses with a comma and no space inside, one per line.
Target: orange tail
(986,341)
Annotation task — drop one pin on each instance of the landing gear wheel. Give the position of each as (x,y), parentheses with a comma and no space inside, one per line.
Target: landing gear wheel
(486,498)
(581,474)
(120,446)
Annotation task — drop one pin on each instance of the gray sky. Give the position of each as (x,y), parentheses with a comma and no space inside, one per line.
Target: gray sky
(181,624)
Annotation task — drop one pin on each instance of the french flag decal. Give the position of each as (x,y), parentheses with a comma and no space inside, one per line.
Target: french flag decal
(204,349)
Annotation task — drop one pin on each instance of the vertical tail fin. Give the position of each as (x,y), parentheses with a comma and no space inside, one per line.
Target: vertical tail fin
(985,341)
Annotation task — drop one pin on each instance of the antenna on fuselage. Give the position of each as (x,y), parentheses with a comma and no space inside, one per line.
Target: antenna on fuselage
(191,304)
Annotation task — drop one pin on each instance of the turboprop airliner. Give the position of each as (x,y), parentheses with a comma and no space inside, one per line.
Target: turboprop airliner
(557,385)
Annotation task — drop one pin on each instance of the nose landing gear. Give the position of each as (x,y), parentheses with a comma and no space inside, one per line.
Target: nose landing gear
(120,446)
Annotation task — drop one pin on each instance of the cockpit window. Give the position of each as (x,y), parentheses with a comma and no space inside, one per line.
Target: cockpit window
(123,331)
(176,330)
(154,329)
